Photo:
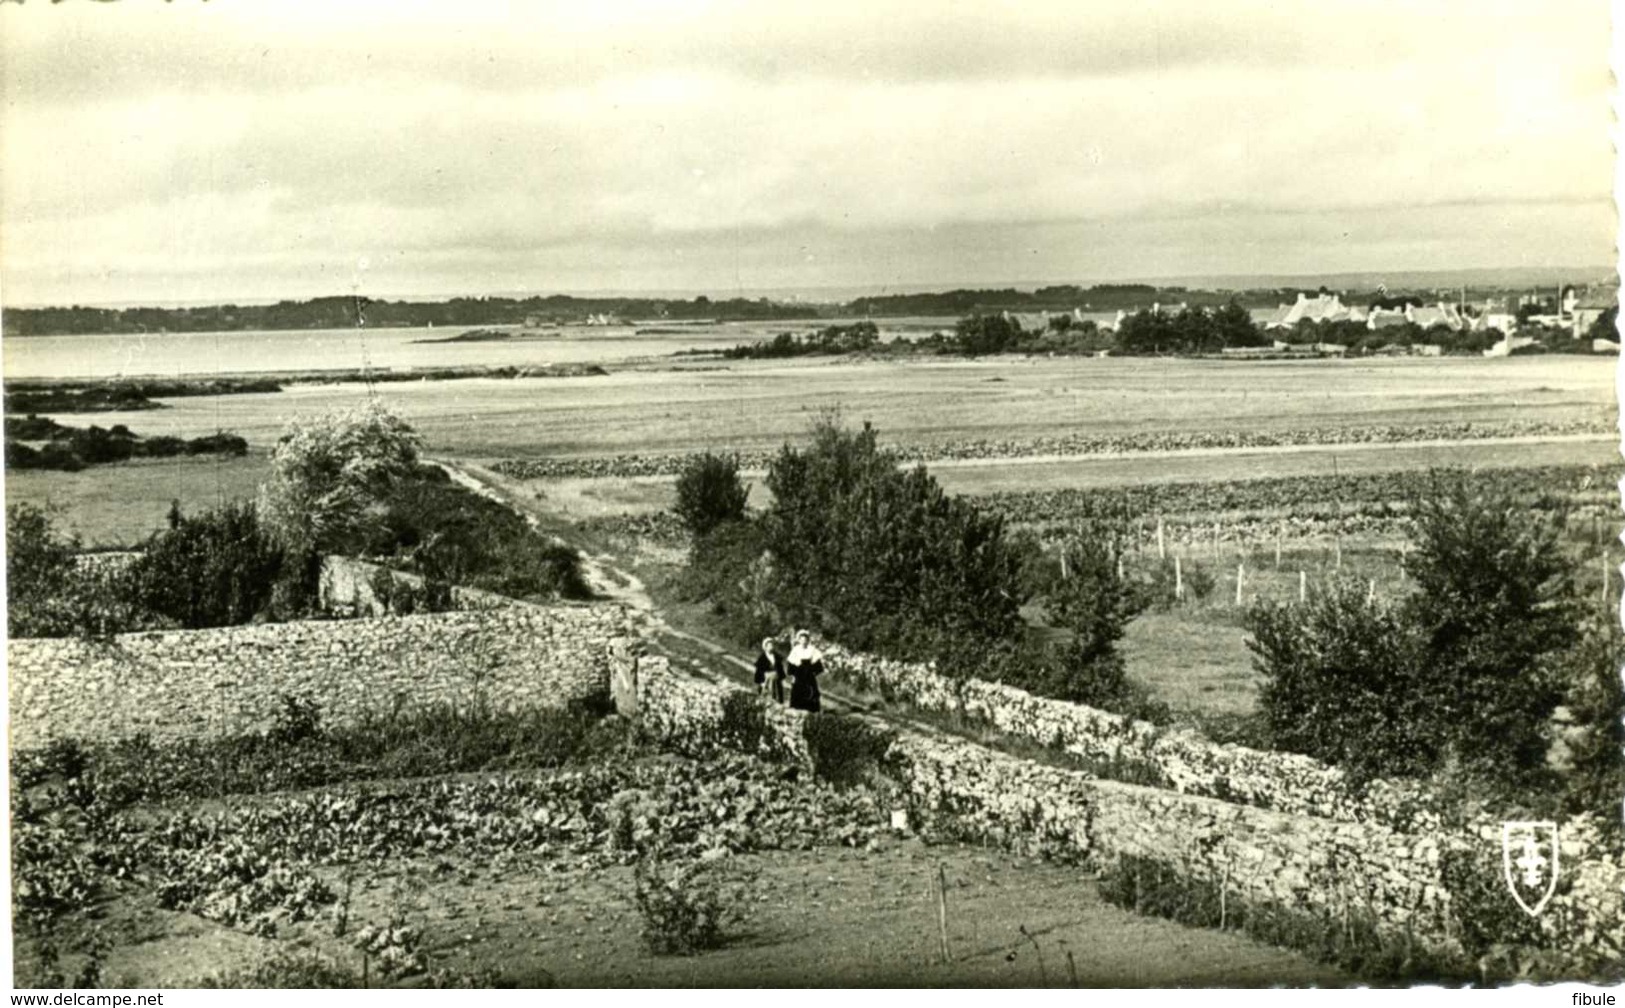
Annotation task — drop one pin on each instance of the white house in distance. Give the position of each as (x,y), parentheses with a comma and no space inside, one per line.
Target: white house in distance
(1330,308)
(1319,308)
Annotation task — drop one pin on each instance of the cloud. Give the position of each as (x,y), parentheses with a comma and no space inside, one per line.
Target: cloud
(293,140)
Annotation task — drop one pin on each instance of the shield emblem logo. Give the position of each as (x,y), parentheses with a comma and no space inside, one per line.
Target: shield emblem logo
(1529,863)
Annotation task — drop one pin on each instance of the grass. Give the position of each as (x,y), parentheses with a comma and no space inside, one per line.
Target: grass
(121,504)
(757,404)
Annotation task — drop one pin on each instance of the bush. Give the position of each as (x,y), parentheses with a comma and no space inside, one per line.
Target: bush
(1341,683)
(1492,611)
(744,723)
(729,569)
(286,970)
(40,574)
(882,559)
(400,597)
(1592,672)
(49,594)
(330,476)
(1161,589)
(216,569)
(690,906)
(710,493)
(845,750)
(434,528)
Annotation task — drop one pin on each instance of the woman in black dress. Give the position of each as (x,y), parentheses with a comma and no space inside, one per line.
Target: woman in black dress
(804,666)
(770,664)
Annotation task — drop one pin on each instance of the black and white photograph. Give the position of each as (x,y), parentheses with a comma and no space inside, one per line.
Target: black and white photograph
(881,493)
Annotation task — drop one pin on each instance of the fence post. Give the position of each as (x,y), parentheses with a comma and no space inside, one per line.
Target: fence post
(1303,586)
(1241,570)
(1278,546)
(1179,580)
(1162,547)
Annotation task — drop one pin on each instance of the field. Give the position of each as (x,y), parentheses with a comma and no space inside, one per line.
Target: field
(828,918)
(122,504)
(831,912)
(757,405)
(525,877)
(1193,656)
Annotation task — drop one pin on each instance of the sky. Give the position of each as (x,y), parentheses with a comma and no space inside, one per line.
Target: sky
(255,149)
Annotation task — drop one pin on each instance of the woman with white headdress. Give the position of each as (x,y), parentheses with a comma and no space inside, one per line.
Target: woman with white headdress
(804,665)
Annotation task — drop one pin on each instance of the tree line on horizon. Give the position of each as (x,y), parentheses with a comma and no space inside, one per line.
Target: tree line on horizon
(344,312)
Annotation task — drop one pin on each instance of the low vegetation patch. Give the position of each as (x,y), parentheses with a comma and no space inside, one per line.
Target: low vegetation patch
(691,905)
(23,397)
(71,449)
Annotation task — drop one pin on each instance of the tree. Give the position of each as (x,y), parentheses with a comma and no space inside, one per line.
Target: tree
(1493,608)
(1341,683)
(976,335)
(1147,332)
(710,493)
(1233,326)
(879,557)
(1096,606)
(330,476)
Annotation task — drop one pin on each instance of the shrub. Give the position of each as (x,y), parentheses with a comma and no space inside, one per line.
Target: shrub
(729,569)
(1161,589)
(400,597)
(1592,673)
(298,719)
(216,569)
(432,527)
(1492,611)
(330,476)
(882,559)
(1341,682)
(286,970)
(690,906)
(1073,672)
(744,723)
(40,574)
(845,750)
(49,594)
(710,493)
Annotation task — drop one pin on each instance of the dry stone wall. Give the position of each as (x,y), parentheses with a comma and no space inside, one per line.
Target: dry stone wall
(1179,760)
(1326,868)
(346,588)
(196,683)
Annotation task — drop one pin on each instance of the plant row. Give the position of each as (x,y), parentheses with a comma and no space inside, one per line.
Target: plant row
(259,865)
(1300,506)
(1081,444)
